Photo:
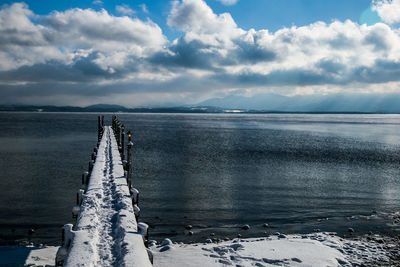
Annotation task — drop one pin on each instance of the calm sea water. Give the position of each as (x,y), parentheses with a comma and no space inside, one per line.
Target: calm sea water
(298,173)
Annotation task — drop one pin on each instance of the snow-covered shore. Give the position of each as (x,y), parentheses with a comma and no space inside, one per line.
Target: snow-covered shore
(27,256)
(319,249)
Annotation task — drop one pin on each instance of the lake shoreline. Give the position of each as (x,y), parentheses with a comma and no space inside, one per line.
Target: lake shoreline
(370,250)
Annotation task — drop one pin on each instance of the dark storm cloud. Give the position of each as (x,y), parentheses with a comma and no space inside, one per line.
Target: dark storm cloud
(331,66)
(379,38)
(280,78)
(250,53)
(82,70)
(186,55)
(341,41)
(381,72)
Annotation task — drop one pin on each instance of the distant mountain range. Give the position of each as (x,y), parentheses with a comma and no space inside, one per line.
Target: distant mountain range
(262,103)
(109,108)
(348,103)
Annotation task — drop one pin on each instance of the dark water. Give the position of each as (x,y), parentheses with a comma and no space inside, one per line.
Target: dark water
(298,173)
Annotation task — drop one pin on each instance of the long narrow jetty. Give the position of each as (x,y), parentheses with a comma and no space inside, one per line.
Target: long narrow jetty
(106,232)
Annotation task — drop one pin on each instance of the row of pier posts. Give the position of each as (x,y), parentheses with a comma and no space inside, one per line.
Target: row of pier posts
(100,128)
(119,133)
(67,230)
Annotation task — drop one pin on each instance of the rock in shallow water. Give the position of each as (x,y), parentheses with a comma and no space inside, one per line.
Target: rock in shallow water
(166,242)
(152,243)
(165,248)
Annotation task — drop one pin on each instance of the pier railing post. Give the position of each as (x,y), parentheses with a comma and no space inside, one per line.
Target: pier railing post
(98,128)
(129,164)
(129,159)
(129,136)
(114,121)
(119,136)
(122,148)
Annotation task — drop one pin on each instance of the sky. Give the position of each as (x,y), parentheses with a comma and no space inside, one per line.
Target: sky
(161,53)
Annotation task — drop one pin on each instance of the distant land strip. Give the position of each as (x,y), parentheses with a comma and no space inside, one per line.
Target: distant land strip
(194,109)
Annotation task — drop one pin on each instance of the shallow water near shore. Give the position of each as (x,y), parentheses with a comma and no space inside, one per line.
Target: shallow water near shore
(215,172)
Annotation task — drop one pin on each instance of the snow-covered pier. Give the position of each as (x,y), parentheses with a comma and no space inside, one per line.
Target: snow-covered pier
(106,232)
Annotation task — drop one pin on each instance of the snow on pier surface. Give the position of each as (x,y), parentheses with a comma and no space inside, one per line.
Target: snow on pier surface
(106,232)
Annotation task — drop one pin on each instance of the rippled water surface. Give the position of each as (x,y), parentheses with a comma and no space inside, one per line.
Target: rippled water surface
(298,173)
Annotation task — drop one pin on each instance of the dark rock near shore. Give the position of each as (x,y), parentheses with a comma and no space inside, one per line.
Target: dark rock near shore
(165,248)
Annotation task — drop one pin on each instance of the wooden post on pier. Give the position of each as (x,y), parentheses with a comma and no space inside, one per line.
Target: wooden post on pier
(113,122)
(119,134)
(129,159)
(98,128)
(129,136)
(90,168)
(122,151)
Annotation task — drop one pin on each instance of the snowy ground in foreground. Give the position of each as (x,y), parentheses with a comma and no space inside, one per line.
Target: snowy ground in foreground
(320,249)
(31,256)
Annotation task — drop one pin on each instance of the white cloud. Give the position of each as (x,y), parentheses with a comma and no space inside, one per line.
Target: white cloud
(228,2)
(68,37)
(21,41)
(125,9)
(144,8)
(97,2)
(197,16)
(320,53)
(15,20)
(388,10)
(81,50)
(90,29)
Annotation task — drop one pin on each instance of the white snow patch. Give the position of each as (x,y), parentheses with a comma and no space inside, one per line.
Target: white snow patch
(30,255)
(322,249)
